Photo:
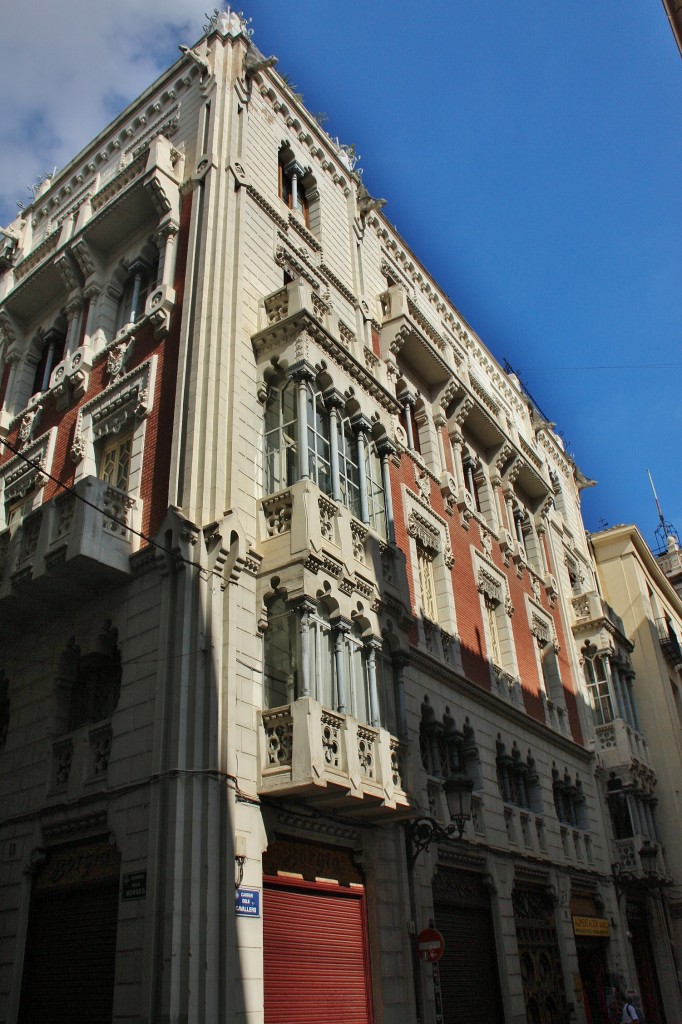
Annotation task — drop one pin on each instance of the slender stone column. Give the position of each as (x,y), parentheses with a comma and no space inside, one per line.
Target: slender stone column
(386,450)
(301,378)
(304,610)
(439,423)
(399,663)
(341,629)
(334,402)
(372,646)
(408,401)
(166,239)
(75,314)
(362,428)
(457,440)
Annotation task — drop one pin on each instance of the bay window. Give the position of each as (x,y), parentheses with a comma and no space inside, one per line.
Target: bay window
(305,436)
(376,511)
(319,457)
(598,686)
(349,473)
(307,653)
(281,426)
(279,655)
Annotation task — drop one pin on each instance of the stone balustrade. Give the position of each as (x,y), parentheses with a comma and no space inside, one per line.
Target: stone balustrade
(310,751)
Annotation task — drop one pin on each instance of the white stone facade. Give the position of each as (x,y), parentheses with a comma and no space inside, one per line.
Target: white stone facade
(332,564)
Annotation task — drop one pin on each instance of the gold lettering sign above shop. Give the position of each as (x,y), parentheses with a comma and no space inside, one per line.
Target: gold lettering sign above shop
(79,865)
(597,927)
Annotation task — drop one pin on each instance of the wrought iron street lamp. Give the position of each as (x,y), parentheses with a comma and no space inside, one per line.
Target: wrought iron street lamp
(649,880)
(424,831)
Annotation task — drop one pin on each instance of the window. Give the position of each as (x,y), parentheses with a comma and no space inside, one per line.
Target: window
(470,482)
(114,462)
(279,656)
(366,681)
(427,583)
(569,799)
(321,654)
(349,473)
(531,543)
(361,492)
(386,688)
(281,427)
(597,685)
(292,191)
(318,442)
(357,675)
(17,510)
(518,779)
(446,750)
(491,606)
(52,352)
(131,305)
(375,492)
(408,422)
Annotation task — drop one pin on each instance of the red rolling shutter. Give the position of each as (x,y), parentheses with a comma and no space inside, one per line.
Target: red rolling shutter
(315,954)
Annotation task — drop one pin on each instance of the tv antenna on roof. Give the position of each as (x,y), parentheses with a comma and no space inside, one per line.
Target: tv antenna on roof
(664,529)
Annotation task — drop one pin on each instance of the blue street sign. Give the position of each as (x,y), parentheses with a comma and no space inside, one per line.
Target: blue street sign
(247,902)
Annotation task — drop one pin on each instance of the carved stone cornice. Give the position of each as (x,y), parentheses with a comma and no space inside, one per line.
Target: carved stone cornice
(279,334)
(423,531)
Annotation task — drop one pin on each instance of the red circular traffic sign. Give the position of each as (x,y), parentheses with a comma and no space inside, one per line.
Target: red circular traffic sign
(430,945)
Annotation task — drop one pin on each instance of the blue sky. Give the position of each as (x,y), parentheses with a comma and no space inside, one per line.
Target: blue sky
(529,152)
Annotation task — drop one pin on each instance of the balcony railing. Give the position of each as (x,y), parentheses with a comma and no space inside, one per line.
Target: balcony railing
(302,524)
(321,755)
(620,744)
(670,644)
(629,859)
(68,546)
(591,607)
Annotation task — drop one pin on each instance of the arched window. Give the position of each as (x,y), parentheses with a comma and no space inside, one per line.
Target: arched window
(470,481)
(292,190)
(281,467)
(52,352)
(280,655)
(131,304)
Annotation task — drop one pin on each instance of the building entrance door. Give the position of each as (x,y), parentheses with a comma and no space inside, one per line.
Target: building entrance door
(70,955)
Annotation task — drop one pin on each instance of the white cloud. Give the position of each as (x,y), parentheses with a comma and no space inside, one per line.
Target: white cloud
(69,66)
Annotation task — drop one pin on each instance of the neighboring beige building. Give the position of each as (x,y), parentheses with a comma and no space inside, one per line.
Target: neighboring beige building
(287,560)
(642,729)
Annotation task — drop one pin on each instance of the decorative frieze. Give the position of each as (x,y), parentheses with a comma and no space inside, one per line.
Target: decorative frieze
(489,585)
(423,531)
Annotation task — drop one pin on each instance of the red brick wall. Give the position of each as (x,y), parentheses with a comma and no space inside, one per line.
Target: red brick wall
(159,426)
(468,607)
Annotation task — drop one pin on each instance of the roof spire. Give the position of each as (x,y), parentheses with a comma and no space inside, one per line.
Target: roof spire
(667,537)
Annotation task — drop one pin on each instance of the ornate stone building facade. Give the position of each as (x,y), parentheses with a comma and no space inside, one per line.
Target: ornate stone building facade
(638,732)
(287,562)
